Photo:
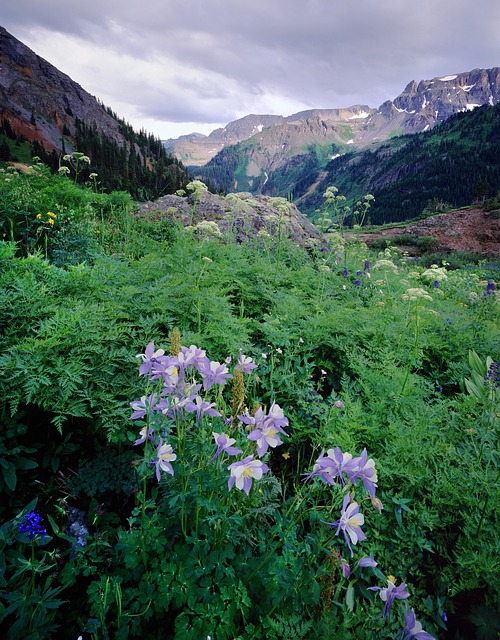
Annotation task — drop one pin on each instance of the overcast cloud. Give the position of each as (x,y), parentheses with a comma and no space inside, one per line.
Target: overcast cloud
(177,66)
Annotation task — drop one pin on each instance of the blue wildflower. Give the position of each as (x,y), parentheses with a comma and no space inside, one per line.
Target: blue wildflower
(493,375)
(32,526)
(345,273)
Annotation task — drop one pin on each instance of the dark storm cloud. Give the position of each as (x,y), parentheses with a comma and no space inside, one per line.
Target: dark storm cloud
(216,60)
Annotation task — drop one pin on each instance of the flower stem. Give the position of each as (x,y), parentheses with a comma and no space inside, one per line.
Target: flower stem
(143,521)
(32,588)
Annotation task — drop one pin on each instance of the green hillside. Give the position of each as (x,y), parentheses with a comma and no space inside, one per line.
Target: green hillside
(455,162)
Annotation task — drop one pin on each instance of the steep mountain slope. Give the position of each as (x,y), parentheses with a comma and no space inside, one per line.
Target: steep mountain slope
(456,162)
(45,107)
(272,161)
(38,100)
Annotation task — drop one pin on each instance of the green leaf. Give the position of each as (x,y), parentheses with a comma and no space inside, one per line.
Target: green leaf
(26,463)
(9,475)
(475,363)
(53,524)
(472,389)
(349,596)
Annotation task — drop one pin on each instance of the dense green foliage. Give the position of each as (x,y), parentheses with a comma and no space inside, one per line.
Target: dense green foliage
(388,355)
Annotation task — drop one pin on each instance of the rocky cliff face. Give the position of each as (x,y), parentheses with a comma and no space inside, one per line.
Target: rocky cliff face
(42,103)
(426,103)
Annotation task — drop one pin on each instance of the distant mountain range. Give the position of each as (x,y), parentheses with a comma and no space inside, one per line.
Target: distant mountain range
(44,107)
(439,139)
(298,156)
(273,140)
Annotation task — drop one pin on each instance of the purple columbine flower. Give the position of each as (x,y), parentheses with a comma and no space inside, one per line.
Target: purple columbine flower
(244,472)
(490,288)
(366,266)
(345,567)
(367,472)
(168,371)
(176,407)
(357,283)
(267,435)
(277,417)
(413,629)
(214,373)
(185,391)
(146,433)
(149,357)
(192,357)
(201,408)
(267,427)
(390,593)
(332,466)
(143,406)
(345,273)
(377,504)
(32,526)
(435,284)
(245,363)
(164,458)
(367,562)
(257,420)
(350,522)
(224,444)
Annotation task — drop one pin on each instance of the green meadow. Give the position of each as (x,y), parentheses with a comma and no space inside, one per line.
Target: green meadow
(359,389)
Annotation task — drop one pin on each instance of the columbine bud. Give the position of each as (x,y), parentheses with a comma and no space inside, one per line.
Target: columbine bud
(377,504)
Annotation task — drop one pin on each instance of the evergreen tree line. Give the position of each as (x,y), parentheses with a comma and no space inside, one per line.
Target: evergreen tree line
(141,166)
(220,171)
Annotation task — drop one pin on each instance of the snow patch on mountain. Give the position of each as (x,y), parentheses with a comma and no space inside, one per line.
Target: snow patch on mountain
(361,115)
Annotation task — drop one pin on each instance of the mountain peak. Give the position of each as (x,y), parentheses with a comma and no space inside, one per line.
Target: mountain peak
(420,106)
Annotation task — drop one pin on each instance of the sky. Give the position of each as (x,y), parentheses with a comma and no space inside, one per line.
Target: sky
(174,67)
